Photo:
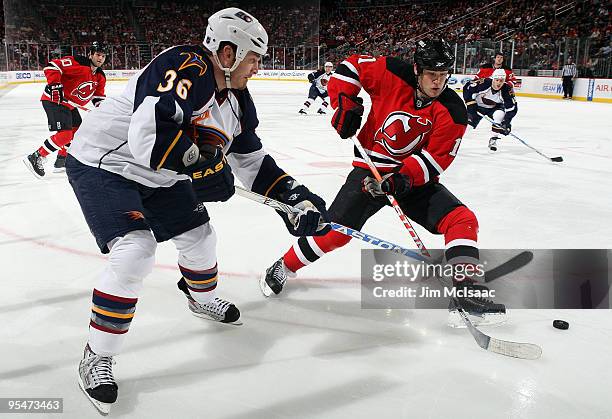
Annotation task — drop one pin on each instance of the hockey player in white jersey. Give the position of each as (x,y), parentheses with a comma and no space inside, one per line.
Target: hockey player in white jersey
(492,97)
(318,88)
(144,163)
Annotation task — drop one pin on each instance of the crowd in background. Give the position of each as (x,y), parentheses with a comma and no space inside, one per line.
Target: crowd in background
(540,30)
(395,30)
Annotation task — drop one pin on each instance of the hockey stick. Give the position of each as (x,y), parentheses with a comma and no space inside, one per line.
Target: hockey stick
(347,231)
(499,346)
(76,105)
(513,349)
(556,159)
(511,265)
(488,343)
(393,201)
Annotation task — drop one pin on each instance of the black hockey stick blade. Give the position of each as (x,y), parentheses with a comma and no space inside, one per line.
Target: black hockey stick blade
(557,159)
(511,265)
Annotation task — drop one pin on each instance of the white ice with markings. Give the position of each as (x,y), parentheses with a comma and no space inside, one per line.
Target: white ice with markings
(313,352)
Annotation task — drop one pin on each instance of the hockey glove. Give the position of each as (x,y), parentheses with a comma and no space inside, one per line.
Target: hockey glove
(211,175)
(311,78)
(96,101)
(347,118)
(312,216)
(505,127)
(396,184)
(55,92)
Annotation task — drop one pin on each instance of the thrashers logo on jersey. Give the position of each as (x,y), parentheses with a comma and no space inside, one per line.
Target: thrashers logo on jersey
(85,90)
(402,132)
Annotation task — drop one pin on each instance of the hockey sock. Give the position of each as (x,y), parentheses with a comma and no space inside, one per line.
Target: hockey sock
(111,316)
(460,229)
(63,152)
(309,249)
(55,142)
(201,284)
(130,260)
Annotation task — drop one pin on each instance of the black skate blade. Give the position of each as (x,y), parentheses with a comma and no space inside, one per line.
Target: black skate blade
(103,408)
(206,317)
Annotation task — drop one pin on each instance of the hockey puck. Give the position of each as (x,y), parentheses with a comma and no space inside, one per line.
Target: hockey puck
(560,324)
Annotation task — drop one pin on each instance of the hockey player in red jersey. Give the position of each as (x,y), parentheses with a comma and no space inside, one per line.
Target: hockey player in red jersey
(412,134)
(486,71)
(72,81)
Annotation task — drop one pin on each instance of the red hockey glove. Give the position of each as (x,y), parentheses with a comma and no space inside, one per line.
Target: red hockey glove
(55,92)
(347,118)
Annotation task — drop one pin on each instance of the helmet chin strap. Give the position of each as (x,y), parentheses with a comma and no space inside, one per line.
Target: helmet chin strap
(422,102)
(227,71)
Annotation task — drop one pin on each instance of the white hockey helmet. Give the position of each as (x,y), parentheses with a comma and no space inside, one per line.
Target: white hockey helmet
(499,73)
(238,27)
(328,64)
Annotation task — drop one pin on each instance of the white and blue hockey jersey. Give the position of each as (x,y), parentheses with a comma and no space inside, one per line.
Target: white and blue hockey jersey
(482,93)
(142,134)
(320,79)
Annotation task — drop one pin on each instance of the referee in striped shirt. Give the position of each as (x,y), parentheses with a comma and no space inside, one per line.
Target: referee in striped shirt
(568,75)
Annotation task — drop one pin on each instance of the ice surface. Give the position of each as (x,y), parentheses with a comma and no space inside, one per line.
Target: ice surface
(313,352)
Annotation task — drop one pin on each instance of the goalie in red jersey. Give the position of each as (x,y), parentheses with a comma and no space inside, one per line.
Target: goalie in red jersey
(412,134)
(72,82)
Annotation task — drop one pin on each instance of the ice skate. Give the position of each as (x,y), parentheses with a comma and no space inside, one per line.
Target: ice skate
(36,164)
(60,164)
(302,111)
(96,380)
(480,310)
(274,279)
(218,309)
(493,143)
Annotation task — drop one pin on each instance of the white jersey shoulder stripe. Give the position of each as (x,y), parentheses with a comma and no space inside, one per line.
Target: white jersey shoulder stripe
(351,67)
(346,79)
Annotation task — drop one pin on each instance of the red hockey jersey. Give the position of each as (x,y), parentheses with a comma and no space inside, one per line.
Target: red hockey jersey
(423,141)
(487,71)
(80,84)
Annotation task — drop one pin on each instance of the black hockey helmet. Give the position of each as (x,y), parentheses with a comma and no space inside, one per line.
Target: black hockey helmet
(97,46)
(498,53)
(433,54)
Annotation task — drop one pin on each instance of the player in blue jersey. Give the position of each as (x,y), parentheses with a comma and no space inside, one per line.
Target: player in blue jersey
(495,98)
(318,88)
(144,163)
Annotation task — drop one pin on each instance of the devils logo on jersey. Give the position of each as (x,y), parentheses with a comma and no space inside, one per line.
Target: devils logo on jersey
(85,90)
(402,132)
